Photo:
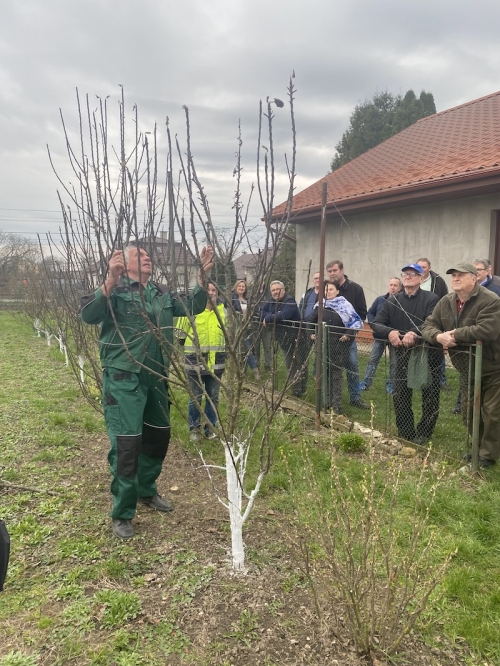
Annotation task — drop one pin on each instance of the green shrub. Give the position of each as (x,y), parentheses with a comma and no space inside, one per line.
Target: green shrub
(350,442)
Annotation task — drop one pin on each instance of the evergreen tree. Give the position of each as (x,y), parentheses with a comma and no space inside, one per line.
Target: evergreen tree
(284,265)
(376,120)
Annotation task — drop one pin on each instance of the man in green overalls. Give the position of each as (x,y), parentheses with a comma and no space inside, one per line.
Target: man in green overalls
(132,310)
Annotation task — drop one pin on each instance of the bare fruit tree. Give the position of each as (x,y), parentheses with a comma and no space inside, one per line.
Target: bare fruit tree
(119,194)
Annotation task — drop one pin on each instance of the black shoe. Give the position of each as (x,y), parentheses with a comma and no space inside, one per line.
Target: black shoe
(123,529)
(360,404)
(456,410)
(421,441)
(467,456)
(156,502)
(484,463)
(445,387)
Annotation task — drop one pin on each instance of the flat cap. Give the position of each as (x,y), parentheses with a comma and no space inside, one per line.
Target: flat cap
(463,267)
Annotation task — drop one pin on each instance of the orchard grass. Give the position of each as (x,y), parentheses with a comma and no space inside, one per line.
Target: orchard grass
(75,595)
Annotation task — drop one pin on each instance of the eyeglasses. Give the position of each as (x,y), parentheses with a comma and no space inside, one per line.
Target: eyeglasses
(408,274)
(481,269)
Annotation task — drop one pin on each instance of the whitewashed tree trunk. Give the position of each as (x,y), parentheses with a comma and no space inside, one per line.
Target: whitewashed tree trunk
(38,328)
(81,363)
(236,462)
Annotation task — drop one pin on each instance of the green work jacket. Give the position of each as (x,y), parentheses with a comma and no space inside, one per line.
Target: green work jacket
(132,315)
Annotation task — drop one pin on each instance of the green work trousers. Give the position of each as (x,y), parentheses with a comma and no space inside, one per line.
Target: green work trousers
(136,411)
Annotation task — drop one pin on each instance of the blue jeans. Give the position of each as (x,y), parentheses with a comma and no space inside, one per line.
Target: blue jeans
(375,356)
(352,372)
(251,360)
(208,386)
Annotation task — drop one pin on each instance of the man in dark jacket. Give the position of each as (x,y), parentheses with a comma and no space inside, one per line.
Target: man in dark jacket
(400,321)
(309,298)
(136,318)
(380,343)
(431,281)
(484,276)
(472,313)
(352,292)
(281,314)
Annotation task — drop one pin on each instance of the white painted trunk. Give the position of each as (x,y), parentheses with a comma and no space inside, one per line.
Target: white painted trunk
(81,363)
(234,496)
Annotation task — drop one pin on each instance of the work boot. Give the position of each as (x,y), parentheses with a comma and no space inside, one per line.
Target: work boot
(156,502)
(123,529)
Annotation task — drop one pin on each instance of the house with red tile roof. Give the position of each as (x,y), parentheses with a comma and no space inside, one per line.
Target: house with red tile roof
(433,190)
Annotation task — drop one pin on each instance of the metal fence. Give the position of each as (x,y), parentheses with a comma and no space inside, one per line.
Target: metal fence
(418,396)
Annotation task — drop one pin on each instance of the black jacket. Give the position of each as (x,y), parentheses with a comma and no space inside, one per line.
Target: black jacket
(405,313)
(438,285)
(353,292)
(278,312)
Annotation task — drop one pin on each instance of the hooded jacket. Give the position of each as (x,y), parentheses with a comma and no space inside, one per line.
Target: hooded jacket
(204,344)
(438,285)
(479,319)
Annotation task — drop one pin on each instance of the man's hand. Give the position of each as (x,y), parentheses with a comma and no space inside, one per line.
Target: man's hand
(409,339)
(116,266)
(447,339)
(395,339)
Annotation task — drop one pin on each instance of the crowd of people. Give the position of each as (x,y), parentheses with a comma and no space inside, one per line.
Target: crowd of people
(415,322)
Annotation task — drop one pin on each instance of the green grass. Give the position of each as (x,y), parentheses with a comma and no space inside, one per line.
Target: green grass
(73,592)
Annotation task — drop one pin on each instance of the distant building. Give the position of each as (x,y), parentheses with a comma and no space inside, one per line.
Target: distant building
(246,263)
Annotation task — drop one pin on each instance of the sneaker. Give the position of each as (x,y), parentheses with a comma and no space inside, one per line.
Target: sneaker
(420,441)
(194,435)
(456,410)
(210,435)
(123,529)
(363,386)
(389,388)
(360,404)
(156,502)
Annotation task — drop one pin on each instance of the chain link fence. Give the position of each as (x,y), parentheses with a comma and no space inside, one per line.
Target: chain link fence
(417,394)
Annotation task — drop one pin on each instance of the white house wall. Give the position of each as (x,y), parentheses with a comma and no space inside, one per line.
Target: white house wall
(375,246)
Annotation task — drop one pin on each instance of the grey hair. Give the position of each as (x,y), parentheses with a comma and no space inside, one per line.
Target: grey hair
(277,282)
(127,249)
(486,262)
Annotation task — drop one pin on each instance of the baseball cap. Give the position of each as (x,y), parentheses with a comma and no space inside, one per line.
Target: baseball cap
(463,267)
(414,267)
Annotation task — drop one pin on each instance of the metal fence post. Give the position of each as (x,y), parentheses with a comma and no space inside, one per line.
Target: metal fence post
(476,409)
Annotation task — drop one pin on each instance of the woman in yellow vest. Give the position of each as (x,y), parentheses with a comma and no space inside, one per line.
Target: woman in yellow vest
(204,349)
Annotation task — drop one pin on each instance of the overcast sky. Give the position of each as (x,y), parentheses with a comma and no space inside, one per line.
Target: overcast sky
(220,58)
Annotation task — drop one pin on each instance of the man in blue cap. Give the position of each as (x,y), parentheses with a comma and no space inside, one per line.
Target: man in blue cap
(400,322)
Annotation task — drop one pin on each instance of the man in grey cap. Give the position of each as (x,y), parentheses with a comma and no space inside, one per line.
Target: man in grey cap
(472,313)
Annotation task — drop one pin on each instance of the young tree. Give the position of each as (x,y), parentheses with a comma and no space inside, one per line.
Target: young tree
(378,119)
(119,199)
